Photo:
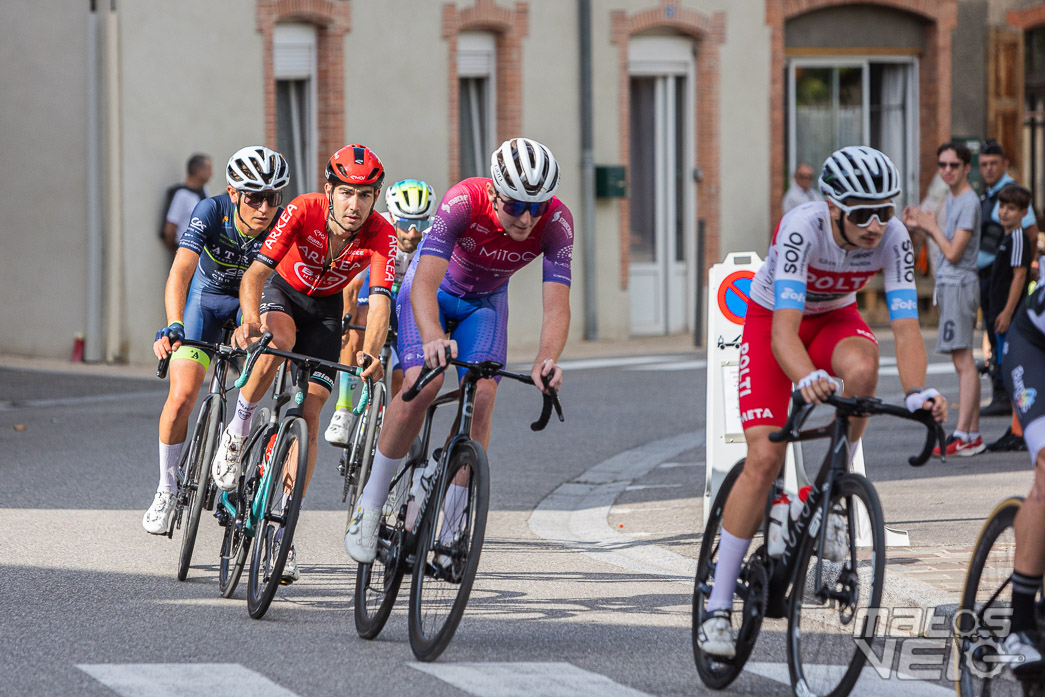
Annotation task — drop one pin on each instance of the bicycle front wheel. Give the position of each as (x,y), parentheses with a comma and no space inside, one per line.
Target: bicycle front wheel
(832,620)
(448,548)
(280,502)
(196,479)
(369,429)
(235,543)
(749,596)
(981,622)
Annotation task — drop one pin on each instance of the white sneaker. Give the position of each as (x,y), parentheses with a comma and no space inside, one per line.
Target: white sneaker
(340,423)
(836,542)
(157,519)
(290,568)
(226,461)
(361,537)
(716,637)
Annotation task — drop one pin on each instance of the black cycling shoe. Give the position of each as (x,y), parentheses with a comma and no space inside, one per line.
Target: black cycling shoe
(1009,442)
(997,408)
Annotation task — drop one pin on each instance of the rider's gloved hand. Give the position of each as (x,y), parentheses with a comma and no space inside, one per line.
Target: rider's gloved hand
(817,386)
(175,332)
(917,400)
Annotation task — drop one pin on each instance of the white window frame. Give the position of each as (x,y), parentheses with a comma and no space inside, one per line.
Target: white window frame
(294,57)
(477,58)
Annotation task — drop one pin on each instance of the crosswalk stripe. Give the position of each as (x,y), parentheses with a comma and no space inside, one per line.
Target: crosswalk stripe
(183,680)
(869,682)
(525,679)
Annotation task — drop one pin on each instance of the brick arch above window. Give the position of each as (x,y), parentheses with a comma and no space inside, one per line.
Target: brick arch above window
(509,27)
(708,33)
(934,78)
(1030,18)
(332,19)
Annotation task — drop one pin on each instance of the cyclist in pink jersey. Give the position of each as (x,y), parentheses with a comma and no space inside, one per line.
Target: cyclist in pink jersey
(801,328)
(484,231)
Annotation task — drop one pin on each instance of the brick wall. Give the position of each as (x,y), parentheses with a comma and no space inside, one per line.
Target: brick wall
(707,32)
(333,20)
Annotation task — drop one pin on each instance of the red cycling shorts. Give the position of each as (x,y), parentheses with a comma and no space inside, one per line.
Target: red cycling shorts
(764,388)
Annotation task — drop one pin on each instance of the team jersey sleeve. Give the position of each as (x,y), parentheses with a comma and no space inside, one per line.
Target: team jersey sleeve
(383,260)
(204,226)
(557,245)
(898,269)
(452,218)
(794,246)
(283,234)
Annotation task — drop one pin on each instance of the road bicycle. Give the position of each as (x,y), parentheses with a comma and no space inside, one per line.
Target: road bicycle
(831,606)
(981,622)
(358,455)
(263,508)
(441,544)
(195,489)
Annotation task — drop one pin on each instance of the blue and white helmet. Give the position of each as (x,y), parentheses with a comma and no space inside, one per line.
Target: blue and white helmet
(857,171)
(257,168)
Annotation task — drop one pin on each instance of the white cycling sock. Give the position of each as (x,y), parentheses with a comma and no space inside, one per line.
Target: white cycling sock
(169,455)
(239,424)
(731,551)
(453,512)
(381,472)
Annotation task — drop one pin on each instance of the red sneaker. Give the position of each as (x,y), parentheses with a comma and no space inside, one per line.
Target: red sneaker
(947,446)
(964,448)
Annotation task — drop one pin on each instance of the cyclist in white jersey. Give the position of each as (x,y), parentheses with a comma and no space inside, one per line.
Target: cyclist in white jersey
(802,327)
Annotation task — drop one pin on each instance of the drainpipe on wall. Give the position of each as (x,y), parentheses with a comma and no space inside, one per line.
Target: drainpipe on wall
(591,332)
(114,272)
(93,330)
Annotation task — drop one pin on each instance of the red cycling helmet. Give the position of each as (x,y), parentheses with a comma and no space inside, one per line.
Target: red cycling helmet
(355,164)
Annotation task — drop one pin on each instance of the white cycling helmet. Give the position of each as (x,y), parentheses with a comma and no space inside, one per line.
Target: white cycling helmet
(410,198)
(257,168)
(857,171)
(524,170)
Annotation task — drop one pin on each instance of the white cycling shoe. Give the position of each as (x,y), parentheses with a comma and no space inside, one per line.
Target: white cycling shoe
(836,542)
(290,568)
(361,537)
(227,460)
(337,431)
(716,637)
(157,519)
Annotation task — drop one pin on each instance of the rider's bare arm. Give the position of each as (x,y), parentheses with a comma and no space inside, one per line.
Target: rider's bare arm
(555,328)
(250,289)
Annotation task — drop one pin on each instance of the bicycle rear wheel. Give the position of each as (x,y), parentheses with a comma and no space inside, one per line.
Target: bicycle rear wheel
(196,479)
(982,620)
(279,515)
(749,602)
(235,543)
(448,548)
(832,626)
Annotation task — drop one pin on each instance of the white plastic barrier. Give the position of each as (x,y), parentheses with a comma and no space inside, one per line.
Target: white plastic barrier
(729,284)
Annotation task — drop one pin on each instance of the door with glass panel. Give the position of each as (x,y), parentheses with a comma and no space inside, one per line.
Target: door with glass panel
(661,192)
(839,102)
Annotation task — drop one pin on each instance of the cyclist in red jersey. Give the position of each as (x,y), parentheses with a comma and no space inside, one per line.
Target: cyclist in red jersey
(321,242)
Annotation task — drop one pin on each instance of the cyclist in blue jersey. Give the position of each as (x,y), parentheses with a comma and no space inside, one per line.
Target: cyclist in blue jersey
(202,293)
(410,204)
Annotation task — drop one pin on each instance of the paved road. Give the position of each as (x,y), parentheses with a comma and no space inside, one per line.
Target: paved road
(583,585)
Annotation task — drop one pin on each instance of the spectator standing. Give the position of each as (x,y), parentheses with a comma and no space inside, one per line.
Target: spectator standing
(181,199)
(801,189)
(957,293)
(1009,277)
(994,168)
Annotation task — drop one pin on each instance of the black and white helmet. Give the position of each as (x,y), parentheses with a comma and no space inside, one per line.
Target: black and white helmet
(857,171)
(257,168)
(524,170)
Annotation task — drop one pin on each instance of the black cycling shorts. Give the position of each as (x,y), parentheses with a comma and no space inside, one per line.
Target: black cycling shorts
(318,322)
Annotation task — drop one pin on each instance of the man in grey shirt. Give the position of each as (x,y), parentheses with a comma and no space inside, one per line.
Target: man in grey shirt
(957,293)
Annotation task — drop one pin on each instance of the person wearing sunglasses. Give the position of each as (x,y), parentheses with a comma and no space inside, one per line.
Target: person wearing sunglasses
(221,240)
(410,204)
(803,328)
(484,231)
(957,292)
(294,290)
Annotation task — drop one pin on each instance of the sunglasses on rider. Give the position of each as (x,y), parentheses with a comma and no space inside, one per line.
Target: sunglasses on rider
(862,215)
(254,199)
(404,224)
(514,208)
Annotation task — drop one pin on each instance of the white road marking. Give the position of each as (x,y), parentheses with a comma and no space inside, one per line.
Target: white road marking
(183,680)
(869,682)
(931,369)
(525,679)
(669,465)
(698,364)
(575,515)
